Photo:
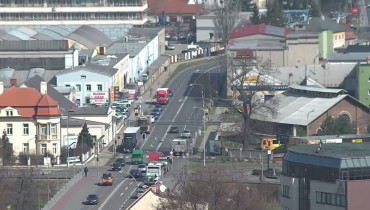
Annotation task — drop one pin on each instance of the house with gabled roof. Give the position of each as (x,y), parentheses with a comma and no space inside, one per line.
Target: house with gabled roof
(31,120)
(92,83)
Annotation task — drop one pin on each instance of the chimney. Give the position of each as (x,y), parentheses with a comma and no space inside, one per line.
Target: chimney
(43,88)
(1,88)
(13,82)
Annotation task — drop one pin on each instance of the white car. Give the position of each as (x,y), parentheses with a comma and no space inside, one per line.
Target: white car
(186,134)
(151,117)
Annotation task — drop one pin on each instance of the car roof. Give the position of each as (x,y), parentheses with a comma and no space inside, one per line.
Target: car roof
(134,170)
(92,195)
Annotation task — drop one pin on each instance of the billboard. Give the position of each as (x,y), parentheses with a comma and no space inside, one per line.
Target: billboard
(98,97)
(71,140)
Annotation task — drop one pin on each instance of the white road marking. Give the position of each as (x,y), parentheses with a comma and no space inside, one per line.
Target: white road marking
(126,188)
(160,143)
(130,183)
(178,111)
(122,194)
(110,195)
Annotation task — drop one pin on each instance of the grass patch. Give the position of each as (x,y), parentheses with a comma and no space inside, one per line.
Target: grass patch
(184,66)
(111,161)
(232,144)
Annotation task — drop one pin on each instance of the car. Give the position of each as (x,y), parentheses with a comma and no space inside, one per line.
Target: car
(167,36)
(174,38)
(151,118)
(155,114)
(170,93)
(157,109)
(139,192)
(135,173)
(116,166)
(159,106)
(121,161)
(170,47)
(186,134)
(107,179)
(174,129)
(92,199)
(142,168)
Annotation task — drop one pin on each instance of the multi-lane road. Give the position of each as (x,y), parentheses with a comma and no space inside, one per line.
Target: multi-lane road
(183,111)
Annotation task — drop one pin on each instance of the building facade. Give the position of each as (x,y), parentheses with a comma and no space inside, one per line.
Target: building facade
(92,83)
(30,119)
(326,176)
(53,12)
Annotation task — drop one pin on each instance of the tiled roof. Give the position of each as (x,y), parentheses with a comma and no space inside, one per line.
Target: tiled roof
(173,7)
(350,33)
(29,102)
(259,29)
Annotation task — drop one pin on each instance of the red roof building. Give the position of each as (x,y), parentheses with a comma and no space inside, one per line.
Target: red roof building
(259,29)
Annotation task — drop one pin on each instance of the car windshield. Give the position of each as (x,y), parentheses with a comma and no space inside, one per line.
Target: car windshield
(92,196)
(161,96)
(134,171)
(136,156)
(186,131)
(120,160)
(141,166)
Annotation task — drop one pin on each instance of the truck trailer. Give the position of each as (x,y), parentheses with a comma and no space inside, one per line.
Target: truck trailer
(131,139)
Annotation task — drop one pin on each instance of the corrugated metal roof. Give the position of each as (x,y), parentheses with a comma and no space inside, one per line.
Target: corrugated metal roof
(19,34)
(59,30)
(319,89)
(350,57)
(9,37)
(28,31)
(294,108)
(335,155)
(52,34)
(90,37)
(132,48)
(105,70)
(34,45)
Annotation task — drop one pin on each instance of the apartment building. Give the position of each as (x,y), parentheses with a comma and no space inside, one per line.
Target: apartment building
(57,12)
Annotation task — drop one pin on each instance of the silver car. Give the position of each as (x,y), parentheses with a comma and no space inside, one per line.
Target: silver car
(142,168)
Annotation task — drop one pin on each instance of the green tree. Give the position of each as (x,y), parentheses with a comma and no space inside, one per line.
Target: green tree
(6,149)
(85,137)
(336,126)
(255,18)
(315,10)
(275,15)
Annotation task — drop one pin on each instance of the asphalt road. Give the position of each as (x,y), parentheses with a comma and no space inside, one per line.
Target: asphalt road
(183,110)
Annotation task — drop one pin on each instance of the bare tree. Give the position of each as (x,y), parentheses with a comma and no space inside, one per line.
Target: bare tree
(251,79)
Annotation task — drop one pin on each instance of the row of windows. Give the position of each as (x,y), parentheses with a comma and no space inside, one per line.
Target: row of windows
(339,37)
(43,148)
(26,129)
(72,16)
(330,199)
(87,87)
(70,3)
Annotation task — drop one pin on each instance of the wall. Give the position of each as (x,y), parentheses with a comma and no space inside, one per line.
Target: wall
(302,52)
(358,194)
(356,114)
(326,43)
(123,67)
(364,84)
(336,188)
(293,201)
(339,39)
(205,26)
(276,57)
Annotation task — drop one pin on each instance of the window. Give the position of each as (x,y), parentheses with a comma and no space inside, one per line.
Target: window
(53,129)
(88,87)
(26,129)
(43,129)
(330,199)
(83,76)
(54,148)
(68,85)
(9,129)
(78,88)
(368,92)
(9,113)
(43,149)
(368,79)
(78,102)
(26,148)
(100,87)
(285,191)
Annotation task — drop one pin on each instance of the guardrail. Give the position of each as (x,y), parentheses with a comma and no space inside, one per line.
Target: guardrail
(63,190)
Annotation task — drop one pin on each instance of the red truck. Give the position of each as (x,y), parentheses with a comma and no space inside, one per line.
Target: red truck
(162,95)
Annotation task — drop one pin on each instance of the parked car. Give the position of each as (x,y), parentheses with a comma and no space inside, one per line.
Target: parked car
(186,134)
(92,199)
(174,129)
(157,109)
(121,161)
(174,38)
(142,168)
(135,173)
(155,114)
(170,47)
(159,106)
(116,166)
(139,192)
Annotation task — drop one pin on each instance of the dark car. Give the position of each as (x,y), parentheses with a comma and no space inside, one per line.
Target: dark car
(116,166)
(135,173)
(157,109)
(121,161)
(155,115)
(174,129)
(159,106)
(92,199)
(170,93)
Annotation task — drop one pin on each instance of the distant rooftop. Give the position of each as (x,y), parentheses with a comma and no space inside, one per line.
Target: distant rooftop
(319,24)
(335,155)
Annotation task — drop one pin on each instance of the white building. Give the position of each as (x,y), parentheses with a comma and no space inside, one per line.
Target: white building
(52,12)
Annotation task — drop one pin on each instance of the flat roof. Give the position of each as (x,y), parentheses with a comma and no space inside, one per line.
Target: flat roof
(334,155)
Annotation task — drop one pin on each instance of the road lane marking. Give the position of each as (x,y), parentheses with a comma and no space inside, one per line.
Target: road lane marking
(164,137)
(110,195)
(178,111)
(126,188)
(122,194)
(130,183)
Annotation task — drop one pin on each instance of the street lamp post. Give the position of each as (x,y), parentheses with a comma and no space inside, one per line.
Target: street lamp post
(308,126)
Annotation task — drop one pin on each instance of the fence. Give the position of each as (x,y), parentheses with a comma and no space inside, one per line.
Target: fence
(63,190)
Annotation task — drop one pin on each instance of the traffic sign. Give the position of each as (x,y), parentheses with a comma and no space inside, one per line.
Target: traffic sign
(187,154)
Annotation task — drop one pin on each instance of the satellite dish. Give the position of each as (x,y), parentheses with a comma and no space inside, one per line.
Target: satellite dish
(162,188)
